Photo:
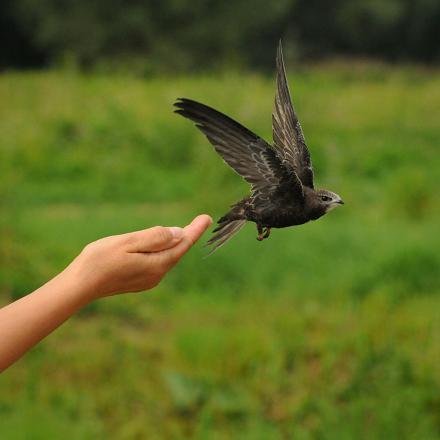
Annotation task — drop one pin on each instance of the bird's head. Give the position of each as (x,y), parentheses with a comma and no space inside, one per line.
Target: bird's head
(327,199)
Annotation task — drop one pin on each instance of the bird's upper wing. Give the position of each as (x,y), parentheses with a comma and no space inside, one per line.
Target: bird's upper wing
(248,154)
(289,142)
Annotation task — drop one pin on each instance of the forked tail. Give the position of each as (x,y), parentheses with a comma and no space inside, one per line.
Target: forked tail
(223,232)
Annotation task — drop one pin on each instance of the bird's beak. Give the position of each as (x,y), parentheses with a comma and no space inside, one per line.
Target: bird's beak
(341,202)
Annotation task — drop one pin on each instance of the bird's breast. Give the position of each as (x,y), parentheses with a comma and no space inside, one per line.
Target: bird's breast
(283,217)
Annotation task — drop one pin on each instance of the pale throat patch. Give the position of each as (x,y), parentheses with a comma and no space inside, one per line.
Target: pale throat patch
(331,206)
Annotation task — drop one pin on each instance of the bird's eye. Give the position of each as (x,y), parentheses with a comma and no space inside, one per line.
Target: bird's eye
(325,198)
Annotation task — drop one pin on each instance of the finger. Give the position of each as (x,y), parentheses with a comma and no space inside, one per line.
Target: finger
(192,233)
(197,227)
(154,239)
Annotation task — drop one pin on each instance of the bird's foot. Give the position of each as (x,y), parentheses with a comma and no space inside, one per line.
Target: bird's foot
(260,236)
(263,233)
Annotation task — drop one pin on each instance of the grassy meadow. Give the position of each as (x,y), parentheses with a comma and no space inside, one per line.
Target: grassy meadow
(330,330)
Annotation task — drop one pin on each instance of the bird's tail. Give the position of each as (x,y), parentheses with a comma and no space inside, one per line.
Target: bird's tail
(223,232)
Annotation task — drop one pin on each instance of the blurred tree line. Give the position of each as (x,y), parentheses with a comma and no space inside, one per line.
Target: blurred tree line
(170,35)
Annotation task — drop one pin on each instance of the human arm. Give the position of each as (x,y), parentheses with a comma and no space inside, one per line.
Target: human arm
(123,263)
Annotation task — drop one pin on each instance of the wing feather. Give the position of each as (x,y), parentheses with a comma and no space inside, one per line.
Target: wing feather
(288,137)
(245,152)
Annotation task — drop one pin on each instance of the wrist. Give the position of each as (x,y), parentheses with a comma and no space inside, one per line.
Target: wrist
(73,284)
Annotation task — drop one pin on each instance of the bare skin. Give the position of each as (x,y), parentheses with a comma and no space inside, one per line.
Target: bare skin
(122,263)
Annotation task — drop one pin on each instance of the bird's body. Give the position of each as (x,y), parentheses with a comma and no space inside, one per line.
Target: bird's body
(281,175)
(282,211)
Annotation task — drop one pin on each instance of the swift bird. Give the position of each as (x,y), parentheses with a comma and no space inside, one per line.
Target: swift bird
(281,175)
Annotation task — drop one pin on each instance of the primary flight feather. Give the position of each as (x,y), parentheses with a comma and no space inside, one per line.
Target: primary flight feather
(281,175)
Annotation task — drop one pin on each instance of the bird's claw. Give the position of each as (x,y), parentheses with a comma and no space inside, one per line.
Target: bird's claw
(263,233)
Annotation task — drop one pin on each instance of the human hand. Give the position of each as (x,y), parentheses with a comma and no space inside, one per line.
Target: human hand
(135,261)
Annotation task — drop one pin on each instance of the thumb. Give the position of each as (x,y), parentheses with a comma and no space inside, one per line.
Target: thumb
(192,233)
(155,239)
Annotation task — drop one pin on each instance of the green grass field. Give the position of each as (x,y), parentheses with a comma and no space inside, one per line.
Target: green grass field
(330,330)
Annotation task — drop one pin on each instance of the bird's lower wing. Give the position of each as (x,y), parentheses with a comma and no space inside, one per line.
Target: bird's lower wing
(248,154)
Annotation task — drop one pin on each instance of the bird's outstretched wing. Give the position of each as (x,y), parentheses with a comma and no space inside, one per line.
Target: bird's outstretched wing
(248,154)
(289,142)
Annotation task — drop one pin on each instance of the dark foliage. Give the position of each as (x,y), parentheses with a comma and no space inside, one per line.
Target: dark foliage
(177,35)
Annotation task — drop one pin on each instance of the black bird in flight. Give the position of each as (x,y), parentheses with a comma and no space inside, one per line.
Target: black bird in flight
(281,175)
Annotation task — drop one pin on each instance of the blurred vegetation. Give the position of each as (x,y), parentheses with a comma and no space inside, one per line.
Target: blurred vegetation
(151,36)
(329,330)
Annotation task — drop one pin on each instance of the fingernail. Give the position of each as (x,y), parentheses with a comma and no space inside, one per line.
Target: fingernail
(176,231)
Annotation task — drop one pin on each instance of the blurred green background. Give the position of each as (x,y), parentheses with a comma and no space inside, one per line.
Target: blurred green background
(329,330)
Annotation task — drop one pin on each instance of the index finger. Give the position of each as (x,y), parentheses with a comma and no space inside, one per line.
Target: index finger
(197,227)
(191,234)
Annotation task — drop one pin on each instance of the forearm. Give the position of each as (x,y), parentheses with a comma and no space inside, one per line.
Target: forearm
(26,321)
